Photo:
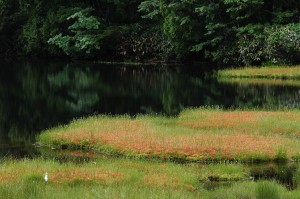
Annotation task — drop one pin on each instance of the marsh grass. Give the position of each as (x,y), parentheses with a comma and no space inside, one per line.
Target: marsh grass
(196,135)
(260,81)
(254,190)
(267,189)
(223,172)
(139,179)
(108,178)
(276,72)
(106,171)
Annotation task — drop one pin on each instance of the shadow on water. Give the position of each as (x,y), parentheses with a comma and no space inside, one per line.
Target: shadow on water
(37,96)
(286,174)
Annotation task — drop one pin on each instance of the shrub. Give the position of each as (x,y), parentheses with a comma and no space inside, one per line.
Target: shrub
(138,44)
(283,44)
(251,44)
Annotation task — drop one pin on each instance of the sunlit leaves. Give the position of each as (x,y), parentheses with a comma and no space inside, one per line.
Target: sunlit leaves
(84,36)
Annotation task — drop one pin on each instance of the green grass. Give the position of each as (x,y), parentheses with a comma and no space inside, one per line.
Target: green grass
(260,81)
(135,179)
(108,177)
(196,135)
(283,72)
(249,190)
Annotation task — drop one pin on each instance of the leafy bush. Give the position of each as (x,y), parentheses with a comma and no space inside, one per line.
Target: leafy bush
(283,44)
(139,44)
(251,44)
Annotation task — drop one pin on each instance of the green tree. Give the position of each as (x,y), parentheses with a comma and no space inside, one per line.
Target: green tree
(85,34)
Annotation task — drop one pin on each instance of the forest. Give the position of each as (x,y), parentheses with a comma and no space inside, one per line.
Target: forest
(226,32)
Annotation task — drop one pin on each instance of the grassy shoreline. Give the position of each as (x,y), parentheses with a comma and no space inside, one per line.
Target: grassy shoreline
(196,135)
(123,178)
(282,72)
(260,81)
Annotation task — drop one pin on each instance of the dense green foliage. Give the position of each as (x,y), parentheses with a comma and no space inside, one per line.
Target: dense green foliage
(243,32)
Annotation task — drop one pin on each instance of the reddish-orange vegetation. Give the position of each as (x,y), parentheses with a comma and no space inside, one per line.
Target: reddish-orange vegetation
(246,122)
(227,120)
(142,140)
(206,134)
(8,177)
(65,175)
(161,180)
(98,175)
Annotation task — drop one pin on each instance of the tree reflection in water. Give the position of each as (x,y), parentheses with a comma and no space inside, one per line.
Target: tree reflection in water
(36,96)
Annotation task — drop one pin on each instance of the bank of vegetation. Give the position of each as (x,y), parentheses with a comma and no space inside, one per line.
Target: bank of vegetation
(283,72)
(196,135)
(229,32)
(123,178)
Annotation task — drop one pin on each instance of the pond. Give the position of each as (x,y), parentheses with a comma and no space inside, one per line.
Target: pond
(39,95)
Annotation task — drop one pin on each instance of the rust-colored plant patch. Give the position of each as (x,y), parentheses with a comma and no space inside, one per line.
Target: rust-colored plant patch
(197,146)
(8,177)
(161,180)
(222,135)
(166,181)
(97,175)
(226,120)
(63,175)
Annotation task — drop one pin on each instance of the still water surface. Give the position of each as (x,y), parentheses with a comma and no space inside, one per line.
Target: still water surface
(39,95)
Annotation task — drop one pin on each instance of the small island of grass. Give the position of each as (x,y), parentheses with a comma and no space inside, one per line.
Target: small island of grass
(196,135)
(282,72)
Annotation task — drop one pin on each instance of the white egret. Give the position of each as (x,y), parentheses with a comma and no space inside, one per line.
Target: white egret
(46,177)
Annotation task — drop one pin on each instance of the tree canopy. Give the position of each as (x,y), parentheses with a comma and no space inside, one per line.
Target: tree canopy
(230,32)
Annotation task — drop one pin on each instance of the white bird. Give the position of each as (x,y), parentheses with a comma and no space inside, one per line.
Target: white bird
(46,177)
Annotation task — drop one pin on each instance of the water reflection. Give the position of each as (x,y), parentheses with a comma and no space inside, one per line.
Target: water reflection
(265,93)
(286,174)
(36,96)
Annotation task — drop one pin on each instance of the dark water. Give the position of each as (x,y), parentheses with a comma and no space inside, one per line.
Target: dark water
(287,174)
(40,95)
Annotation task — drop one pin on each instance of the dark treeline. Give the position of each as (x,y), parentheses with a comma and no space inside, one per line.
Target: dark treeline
(230,32)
